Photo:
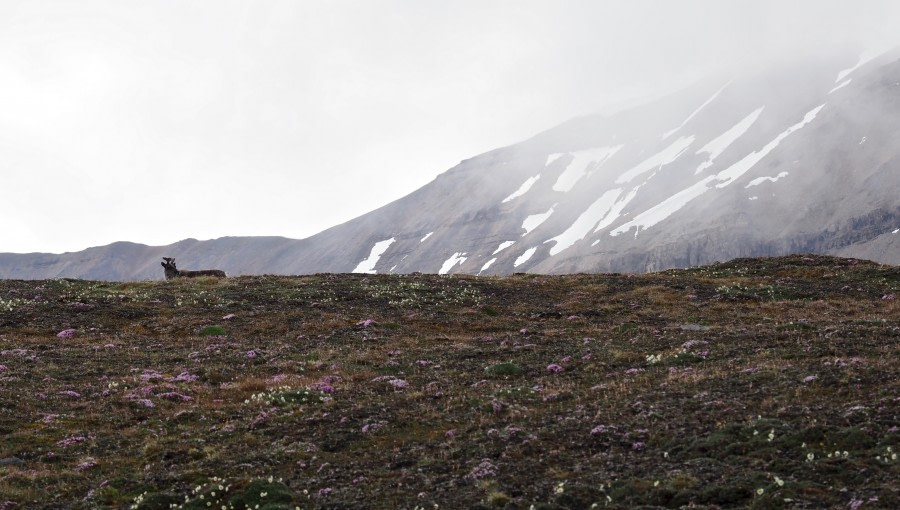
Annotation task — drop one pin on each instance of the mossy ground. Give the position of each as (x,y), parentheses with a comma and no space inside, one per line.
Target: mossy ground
(763,383)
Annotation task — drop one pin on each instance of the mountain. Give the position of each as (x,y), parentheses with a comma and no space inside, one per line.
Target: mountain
(797,157)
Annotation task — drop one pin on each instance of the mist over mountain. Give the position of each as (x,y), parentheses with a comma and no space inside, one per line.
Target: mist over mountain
(796,157)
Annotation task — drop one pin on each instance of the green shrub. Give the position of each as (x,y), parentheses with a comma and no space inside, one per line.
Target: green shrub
(213,331)
(504,369)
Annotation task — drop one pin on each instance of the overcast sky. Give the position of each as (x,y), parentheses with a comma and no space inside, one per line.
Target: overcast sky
(155,121)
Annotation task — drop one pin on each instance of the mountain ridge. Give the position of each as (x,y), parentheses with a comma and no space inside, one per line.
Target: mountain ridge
(798,158)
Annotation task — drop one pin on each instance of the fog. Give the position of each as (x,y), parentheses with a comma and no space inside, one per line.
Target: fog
(157,121)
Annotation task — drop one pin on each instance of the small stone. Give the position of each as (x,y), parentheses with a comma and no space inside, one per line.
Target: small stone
(11,461)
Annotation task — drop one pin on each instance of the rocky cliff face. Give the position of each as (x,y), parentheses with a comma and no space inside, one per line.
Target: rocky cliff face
(798,158)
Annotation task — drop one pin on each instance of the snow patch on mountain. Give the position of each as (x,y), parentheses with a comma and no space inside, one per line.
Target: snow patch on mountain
(665,208)
(426,237)
(456,258)
(504,245)
(532,222)
(841,85)
(863,59)
(658,160)
(616,211)
(585,222)
(583,163)
(522,189)
(524,257)
(672,204)
(368,265)
(760,180)
(738,169)
(487,265)
(553,157)
(721,142)
(695,112)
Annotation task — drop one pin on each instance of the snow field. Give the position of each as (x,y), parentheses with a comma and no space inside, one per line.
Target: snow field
(718,145)
(532,222)
(522,189)
(456,258)
(674,203)
(368,265)
(583,162)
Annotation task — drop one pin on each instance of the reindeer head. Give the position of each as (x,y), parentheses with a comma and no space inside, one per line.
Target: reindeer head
(169,267)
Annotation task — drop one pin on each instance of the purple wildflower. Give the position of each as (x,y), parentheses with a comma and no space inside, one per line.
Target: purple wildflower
(69,441)
(3,368)
(276,379)
(554,368)
(263,416)
(324,492)
(150,375)
(888,297)
(323,387)
(371,428)
(184,376)
(88,464)
(398,384)
(484,469)
(178,397)
(66,333)
(450,434)
(70,393)
(810,378)
(599,429)
(228,317)
(366,323)
(691,343)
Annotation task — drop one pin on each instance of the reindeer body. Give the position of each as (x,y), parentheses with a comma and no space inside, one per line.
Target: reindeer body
(174,272)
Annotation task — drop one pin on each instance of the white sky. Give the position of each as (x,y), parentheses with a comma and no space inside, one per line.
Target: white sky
(154,121)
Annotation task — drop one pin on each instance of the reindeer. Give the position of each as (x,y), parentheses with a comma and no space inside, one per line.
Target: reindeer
(174,272)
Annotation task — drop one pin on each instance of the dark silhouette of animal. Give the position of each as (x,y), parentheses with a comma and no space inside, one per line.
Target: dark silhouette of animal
(174,272)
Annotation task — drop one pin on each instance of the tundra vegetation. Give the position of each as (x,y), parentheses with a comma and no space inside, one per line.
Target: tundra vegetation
(761,383)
